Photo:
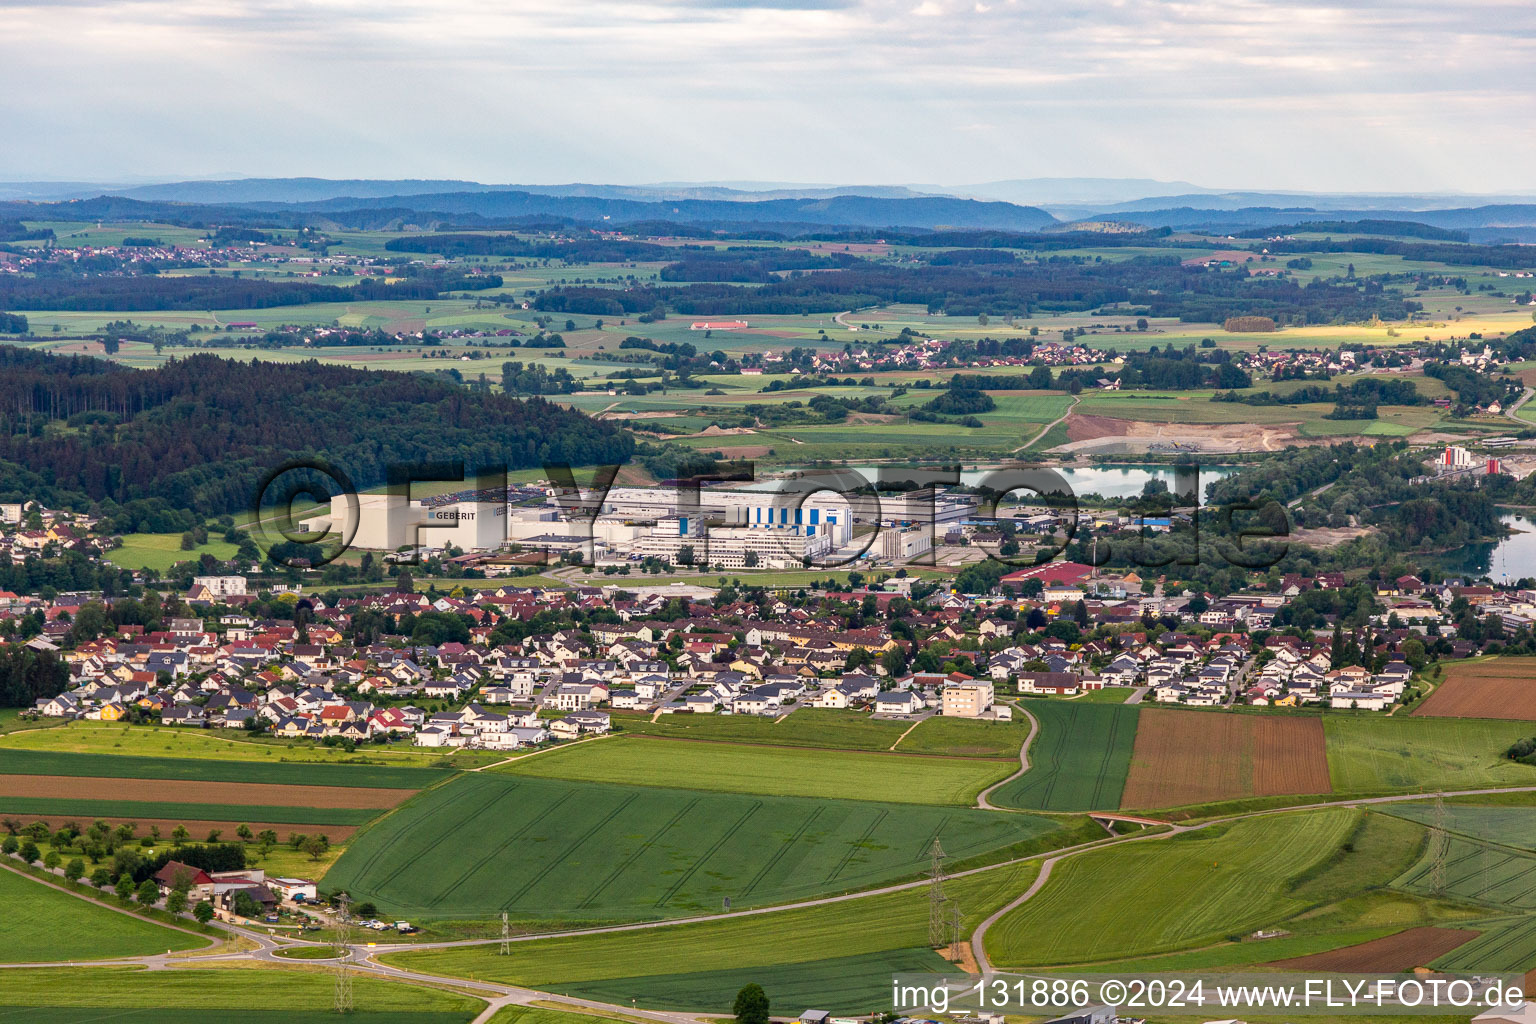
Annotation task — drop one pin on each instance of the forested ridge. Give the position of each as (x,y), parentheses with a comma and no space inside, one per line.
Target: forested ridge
(140,292)
(1158,286)
(201,432)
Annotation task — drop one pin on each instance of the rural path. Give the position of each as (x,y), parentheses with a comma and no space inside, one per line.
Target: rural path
(1513,412)
(1310,494)
(1034,728)
(1047,428)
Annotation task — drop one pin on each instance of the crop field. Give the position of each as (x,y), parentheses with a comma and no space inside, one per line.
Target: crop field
(1507,826)
(201,794)
(1166,894)
(126,995)
(1393,954)
(862,926)
(544,849)
(1477,872)
(1506,944)
(1375,754)
(41,924)
(1501,688)
(119,739)
(960,737)
(1079,759)
(841,984)
(804,727)
(769,771)
(160,551)
(1192,757)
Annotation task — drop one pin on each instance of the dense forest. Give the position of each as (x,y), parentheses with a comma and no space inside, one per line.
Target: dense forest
(1156,286)
(200,432)
(138,293)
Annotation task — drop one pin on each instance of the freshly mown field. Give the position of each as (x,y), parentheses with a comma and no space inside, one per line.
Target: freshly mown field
(1079,759)
(547,849)
(1374,754)
(40,924)
(871,927)
(228,745)
(1165,894)
(804,727)
(960,737)
(1503,688)
(770,771)
(91,995)
(1193,757)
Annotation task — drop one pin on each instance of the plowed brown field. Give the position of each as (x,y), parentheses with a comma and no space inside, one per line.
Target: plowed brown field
(1193,757)
(251,794)
(1503,688)
(1394,954)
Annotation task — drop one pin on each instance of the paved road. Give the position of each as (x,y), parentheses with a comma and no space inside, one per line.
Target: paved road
(1034,727)
(1513,412)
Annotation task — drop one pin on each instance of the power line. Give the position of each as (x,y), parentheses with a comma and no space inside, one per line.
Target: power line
(506,936)
(343,996)
(938,917)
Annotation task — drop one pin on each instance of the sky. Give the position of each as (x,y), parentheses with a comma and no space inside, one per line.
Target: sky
(1365,96)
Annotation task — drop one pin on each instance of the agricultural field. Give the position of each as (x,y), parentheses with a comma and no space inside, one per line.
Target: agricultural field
(769,771)
(553,850)
(1501,688)
(1507,826)
(803,727)
(866,927)
(42,924)
(76,995)
(961,737)
(1477,872)
(1377,754)
(1392,954)
(1191,757)
(117,738)
(1079,759)
(201,794)
(160,551)
(1165,894)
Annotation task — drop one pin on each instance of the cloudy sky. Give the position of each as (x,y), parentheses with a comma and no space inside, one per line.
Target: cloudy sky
(1364,95)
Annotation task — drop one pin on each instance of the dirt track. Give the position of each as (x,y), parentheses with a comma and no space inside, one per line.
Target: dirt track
(66,787)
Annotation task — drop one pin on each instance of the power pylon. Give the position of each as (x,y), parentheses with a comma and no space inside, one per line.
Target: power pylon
(1442,842)
(506,935)
(954,931)
(938,917)
(343,996)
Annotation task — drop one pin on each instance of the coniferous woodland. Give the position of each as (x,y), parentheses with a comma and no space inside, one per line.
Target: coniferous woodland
(201,432)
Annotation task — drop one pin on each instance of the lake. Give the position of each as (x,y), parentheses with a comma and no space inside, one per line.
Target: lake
(1503,561)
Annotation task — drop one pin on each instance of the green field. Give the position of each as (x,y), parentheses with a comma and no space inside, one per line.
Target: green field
(106,766)
(160,551)
(1079,759)
(1477,872)
(1373,754)
(277,814)
(41,924)
(544,849)
(961,737)
(1506,944)
(116,738)
(841,984)
(870,925)
(804,727)
(770,771)
(78,995)
(1507,826)
(1165,894)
